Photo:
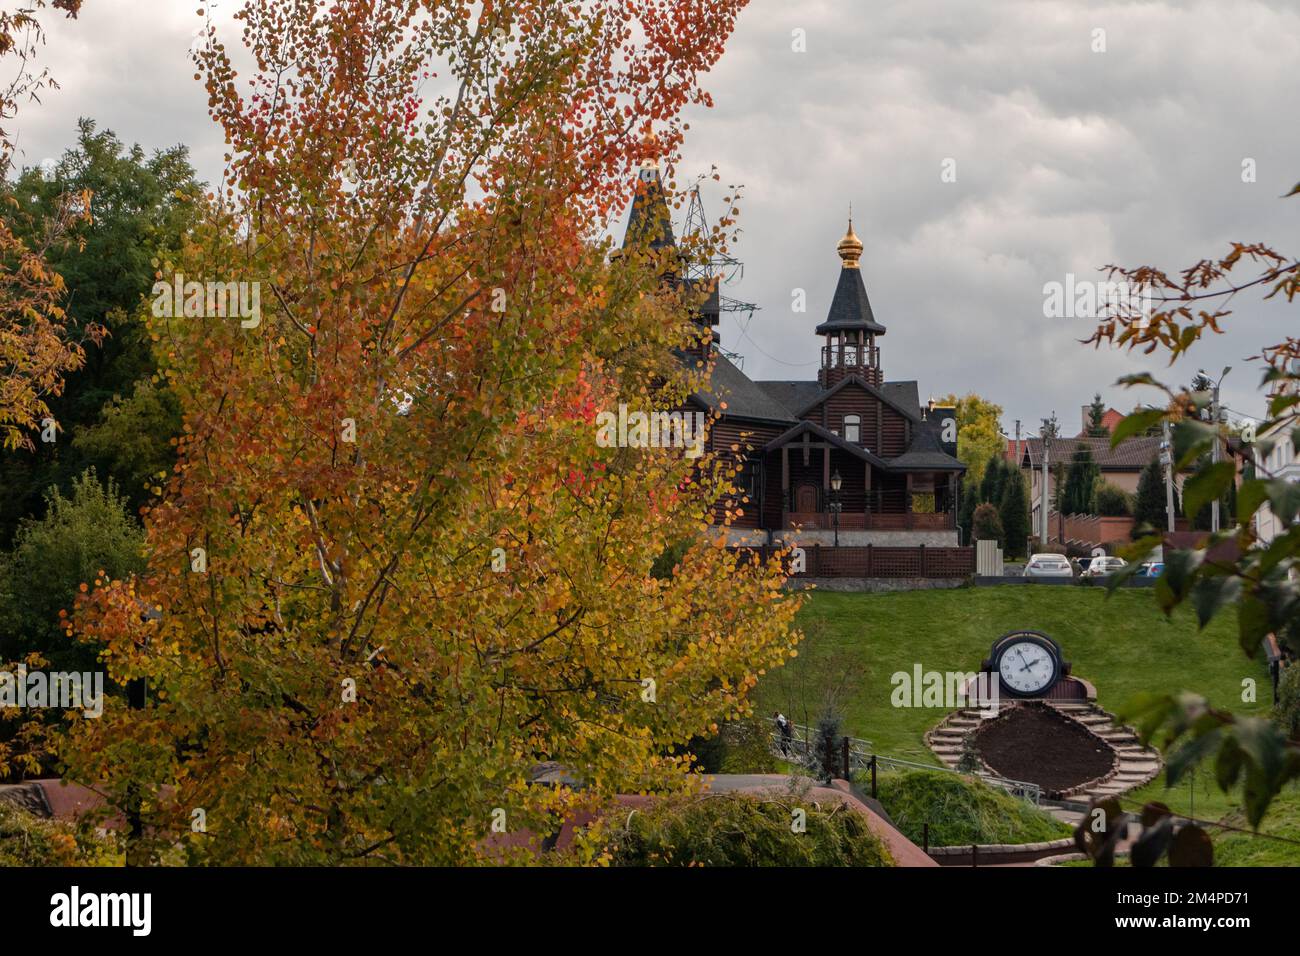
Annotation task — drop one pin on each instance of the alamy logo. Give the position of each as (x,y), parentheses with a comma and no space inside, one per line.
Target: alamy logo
(134,910)
(951,690)
(1092,299)
(209,300)
(652,430)
(57,689)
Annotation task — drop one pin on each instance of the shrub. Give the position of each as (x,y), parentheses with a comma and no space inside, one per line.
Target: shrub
(826,746)
(51,558)
(29,840)
(741,746)
(1287,710)
(1113,502)
(737,829)
(961,810)
(987,524)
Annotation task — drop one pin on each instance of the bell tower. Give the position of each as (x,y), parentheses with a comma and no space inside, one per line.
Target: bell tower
(850,328)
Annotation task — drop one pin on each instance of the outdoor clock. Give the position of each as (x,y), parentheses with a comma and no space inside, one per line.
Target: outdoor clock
(1027,663)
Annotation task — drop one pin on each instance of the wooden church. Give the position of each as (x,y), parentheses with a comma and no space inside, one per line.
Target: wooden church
(849,459)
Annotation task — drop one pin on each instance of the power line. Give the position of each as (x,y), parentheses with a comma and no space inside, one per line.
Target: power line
(768,355)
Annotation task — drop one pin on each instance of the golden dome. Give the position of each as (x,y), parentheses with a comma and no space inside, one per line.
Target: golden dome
(850,247)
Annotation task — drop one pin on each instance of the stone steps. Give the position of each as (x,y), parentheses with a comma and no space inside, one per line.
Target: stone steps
(1134,764)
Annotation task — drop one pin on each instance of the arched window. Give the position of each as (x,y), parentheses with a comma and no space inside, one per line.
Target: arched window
(852,428)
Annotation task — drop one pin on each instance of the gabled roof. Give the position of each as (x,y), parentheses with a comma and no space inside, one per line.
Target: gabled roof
(806,426)
(890,400)
(791,395)
(1132,454)
(850,307)
(925,454)
(743,398)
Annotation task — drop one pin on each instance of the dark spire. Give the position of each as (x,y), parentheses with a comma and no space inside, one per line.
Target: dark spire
(650,219)
(850,308)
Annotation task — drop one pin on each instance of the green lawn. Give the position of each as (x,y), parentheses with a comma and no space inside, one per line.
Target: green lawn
(1121,643)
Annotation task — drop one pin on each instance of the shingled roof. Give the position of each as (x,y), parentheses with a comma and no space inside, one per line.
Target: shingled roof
(850,307)
(925,453)
(743,397)
(798,395)
(1132,454)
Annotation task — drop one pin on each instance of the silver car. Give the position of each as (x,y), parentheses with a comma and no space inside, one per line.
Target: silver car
(1048,566)
(1101,567)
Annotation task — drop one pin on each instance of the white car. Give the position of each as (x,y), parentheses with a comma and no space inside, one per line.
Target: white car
(1048,566)
(1101,567)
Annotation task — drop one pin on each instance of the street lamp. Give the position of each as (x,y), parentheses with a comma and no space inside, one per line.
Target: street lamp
(835,506)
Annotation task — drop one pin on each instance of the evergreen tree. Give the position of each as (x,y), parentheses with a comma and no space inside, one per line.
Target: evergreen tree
(1014,514)
(1149,508)
(1080,494)
(1096,412)
(989,484)
(969,499)
(1051,427)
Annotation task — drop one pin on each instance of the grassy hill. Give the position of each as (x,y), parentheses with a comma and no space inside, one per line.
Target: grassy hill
(1121,643)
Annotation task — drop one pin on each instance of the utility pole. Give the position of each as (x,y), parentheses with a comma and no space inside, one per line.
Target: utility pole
(1042,497)
(1167,462)
(1214,419)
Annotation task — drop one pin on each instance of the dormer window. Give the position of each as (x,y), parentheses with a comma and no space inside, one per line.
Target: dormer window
(852,428)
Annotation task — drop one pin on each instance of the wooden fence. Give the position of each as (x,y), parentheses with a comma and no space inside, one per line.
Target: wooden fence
(883,562)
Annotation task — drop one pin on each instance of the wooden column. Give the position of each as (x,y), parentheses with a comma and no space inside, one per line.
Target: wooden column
(785,483)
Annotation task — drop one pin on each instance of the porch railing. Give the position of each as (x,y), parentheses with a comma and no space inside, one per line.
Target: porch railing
(877,562)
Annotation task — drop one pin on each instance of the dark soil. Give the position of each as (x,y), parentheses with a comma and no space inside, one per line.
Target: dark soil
(1037,745)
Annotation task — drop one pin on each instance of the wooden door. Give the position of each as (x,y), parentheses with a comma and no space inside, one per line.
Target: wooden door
(805,500)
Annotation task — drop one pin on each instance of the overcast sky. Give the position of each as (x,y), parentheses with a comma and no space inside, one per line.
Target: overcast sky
(1066,159)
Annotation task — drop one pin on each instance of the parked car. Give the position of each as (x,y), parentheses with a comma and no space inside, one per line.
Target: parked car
(1048,566)
(1151,569)
(1100,567)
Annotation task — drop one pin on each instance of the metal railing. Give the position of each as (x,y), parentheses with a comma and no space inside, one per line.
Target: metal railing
(800,747)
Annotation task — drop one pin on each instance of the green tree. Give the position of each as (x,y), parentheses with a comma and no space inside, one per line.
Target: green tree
(78,537)
(992,480)
(1096,412)
(988,524)
(1079,496)
(970,498)
(1014,515)
(1113,502)
(139,211)
(134,438)
(1149,506)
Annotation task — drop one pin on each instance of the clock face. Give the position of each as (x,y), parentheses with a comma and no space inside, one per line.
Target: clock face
(1026,667)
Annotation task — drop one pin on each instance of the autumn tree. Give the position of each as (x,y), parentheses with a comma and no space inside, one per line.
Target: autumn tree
(979,432)
(36,349)
(1260,585)
(393,570)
